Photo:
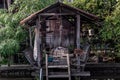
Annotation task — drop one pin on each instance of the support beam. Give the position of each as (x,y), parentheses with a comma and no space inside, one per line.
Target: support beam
(37,43)
(8,3)
(54,14)
(78,42)
(78,32)
(60,39)
(4,4)
(30,36)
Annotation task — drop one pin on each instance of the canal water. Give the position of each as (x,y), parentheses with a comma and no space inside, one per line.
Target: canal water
(17,79)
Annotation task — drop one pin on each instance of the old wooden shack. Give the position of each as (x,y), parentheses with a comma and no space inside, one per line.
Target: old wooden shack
(58,31)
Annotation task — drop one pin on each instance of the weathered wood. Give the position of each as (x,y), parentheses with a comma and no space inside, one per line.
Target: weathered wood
(30,36)
(37,43)
(58,66)
(6,67)
(15,71)
(28,53)
(8,3)
(46,66)
(78,32)
(61,56)
(61,28)
(81,74)
(55,14)
(97,71)
(64,8)
(58,76)
(4,1)
(69,70)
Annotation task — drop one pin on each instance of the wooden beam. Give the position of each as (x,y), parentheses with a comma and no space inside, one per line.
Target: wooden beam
(78,42)
(30,36)
(78,32)
(8,3)
(37,43)
(81,74)
(46,60)
(49,14)
(4,4)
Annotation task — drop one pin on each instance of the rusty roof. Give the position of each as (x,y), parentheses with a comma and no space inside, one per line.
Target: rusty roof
(59,4)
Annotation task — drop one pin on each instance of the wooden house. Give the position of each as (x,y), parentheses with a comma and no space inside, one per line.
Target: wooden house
(59,27)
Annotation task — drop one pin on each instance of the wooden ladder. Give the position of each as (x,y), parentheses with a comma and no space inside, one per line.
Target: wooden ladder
(60,62)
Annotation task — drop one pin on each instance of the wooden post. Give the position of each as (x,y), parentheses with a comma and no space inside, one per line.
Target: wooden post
(60,39)
(46,66)
(78,32)
(4,4)
(78,42)
(37,43)
(8,3)
(30,36)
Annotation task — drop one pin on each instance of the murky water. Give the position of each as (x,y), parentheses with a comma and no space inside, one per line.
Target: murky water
(17,79)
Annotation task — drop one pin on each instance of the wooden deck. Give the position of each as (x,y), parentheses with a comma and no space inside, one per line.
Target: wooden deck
(6,67)
(101,70)
(16,71)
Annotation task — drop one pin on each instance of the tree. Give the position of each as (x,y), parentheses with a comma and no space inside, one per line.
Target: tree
(108,11)
(101,8)
(11,33)
(111,30)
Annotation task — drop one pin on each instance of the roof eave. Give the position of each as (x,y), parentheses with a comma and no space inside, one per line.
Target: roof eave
(77,11)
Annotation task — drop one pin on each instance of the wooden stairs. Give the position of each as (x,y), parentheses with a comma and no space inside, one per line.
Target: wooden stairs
(59,66)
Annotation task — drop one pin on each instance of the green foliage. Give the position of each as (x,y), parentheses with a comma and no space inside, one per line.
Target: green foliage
(102,8)
(111,28)
(109,11)
(25,7)
(20,34)
(9,46)
(6,33)
(4,61)
(11,33)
